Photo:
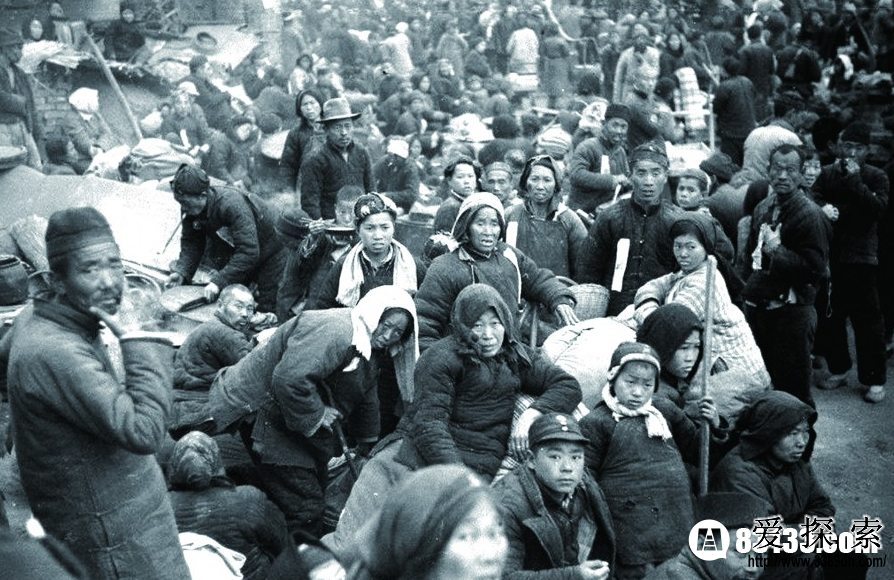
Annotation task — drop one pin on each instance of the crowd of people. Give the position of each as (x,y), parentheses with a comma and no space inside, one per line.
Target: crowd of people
(397,414)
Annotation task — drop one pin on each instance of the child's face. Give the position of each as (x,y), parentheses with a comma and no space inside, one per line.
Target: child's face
(685,357)
(635,384)
(344,213)
(558,465)
(689,193)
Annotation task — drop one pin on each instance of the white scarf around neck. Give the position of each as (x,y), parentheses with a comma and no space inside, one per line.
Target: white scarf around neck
(656,425)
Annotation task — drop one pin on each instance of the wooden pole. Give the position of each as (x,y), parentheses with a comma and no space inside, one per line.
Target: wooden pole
(705,430)
(115,87)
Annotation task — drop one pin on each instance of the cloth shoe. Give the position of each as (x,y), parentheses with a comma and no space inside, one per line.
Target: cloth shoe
(875,394)
(833,382)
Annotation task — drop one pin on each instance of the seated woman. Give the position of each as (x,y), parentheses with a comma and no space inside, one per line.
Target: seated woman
(463,410)
(769,464)
(636,451)
(206,502)
(543,227)
(481,255)
(694,239)
(675,333)
(377,260)
(442,523)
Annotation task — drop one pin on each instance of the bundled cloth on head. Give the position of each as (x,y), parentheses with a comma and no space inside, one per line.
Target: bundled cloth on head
(770,419)
(628,352)
(351,277)
(466,214)
(194,462)
(666,329)
(473,301)
(365,318)
(405,540)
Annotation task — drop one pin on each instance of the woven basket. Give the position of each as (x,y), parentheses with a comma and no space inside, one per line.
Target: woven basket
(592,300)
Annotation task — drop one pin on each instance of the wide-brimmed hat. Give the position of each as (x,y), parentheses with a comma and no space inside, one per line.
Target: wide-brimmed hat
(336,110)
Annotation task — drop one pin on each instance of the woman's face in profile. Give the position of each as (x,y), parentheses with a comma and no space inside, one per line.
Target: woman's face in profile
(791,446)
(476,549)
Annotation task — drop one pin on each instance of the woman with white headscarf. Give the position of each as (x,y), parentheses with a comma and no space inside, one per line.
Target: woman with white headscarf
(87,128)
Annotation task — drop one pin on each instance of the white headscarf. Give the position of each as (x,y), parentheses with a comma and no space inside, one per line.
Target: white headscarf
(85,101)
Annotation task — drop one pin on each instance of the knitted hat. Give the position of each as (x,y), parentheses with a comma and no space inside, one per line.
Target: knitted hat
(617,111)
(372,204)
(75,228)
(10,37)
(719,165)
(856,132)
(415,96)
(269,123)
(628,352)
(239,121)
(554,427)
(293,223)
(649,151)
(190,180)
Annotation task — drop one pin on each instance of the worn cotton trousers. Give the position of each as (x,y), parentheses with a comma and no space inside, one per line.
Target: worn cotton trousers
(785,337)
(854,296)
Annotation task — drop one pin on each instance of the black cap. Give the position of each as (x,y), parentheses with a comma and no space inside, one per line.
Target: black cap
(190,180)
(554,427)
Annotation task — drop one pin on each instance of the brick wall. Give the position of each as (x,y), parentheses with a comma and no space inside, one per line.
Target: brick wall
(51,90)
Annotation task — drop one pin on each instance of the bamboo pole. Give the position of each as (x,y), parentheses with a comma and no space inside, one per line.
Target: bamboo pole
(116,88)
(705,430)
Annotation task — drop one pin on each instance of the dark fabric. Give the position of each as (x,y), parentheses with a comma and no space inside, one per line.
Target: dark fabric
(450,273)
(123,40)
(759,65)
(305,271)
(854,297)
(225,160)
(27,559)
(299,492)
(195,125)
(464,405)
(802,259)
(769,419)
(861,199)
(301,142)
(644,479)
(257,251)
(326,171)
(85,441)
(17,100)
(785,338)
(397,179)
(734,107)
(207,349)
(214,102)
(536,545)
(445,217)
(592,184)
(651,251)
(554,243)
(241,518)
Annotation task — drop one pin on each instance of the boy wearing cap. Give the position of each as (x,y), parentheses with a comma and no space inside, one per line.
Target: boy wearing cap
(555,515)
(858,194)
(85,438)
(338,163)
(599,164)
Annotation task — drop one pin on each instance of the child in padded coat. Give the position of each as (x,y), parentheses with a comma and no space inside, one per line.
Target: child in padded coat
(636,453)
